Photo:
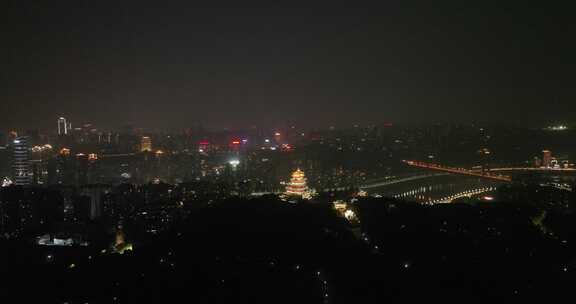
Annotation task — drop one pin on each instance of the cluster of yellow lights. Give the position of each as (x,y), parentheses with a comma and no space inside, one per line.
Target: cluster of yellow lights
(65,151)
(345,211)
(145,144)
(126,247)
(298,174)
(485,151)
(350,215)
(340,206)
(41,148)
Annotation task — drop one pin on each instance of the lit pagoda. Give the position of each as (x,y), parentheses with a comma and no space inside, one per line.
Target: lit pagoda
(297,184)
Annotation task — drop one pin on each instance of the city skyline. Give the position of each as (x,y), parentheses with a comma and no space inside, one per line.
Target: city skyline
(63,125)
(202,152)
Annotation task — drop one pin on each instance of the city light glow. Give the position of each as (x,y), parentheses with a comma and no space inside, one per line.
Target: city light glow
(234,163)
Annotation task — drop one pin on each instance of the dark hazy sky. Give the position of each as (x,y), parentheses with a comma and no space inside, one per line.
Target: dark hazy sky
(174,63)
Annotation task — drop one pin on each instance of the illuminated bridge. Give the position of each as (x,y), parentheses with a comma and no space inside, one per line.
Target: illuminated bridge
(550,170)
(378,184)
(446,199)
(462,171)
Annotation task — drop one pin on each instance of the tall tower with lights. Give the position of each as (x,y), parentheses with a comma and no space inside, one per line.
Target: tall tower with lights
(63,126)
(297,185)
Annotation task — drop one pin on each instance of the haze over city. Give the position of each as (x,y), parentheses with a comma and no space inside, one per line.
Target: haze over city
(177,63)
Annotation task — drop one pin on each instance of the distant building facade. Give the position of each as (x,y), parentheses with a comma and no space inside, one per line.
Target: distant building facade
(145,144)
(547,158)
(21,161)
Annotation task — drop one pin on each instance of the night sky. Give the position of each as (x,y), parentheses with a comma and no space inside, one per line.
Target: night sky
(160,64)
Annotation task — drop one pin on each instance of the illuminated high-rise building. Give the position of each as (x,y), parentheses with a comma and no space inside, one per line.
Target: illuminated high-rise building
(38,168)
(297,184)
(63,126)
(21,161)
(204,146)
(145,144)
(546,158)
